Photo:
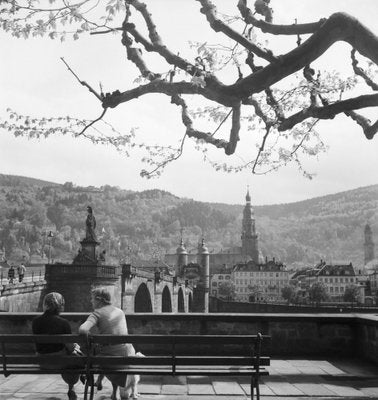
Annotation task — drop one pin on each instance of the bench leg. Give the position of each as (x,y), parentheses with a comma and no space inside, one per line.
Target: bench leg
(255,385)
(257,390)
(89,383)
(92,388)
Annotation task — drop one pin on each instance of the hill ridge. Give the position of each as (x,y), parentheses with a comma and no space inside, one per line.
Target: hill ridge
(149,222)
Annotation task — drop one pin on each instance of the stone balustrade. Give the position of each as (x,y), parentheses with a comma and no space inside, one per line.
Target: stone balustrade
(76,270)
(292,335)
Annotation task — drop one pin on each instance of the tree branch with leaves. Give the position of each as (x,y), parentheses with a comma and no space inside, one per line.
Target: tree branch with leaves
(244,85)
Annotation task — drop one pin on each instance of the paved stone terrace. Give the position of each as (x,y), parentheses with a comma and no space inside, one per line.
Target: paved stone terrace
(289,380)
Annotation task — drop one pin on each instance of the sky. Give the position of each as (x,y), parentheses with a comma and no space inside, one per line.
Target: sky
(34,81)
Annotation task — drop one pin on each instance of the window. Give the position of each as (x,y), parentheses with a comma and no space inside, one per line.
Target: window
(214,283)
(227,277)
(220,277)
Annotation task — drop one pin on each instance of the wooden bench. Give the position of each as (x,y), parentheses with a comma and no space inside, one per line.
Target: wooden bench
(206,355)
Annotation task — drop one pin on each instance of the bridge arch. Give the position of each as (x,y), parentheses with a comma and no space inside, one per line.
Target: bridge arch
(180,301)
(142,302)
(190,302)
(166,301)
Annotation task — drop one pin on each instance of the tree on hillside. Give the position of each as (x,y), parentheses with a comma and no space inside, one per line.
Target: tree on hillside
(318,293)
(232,85)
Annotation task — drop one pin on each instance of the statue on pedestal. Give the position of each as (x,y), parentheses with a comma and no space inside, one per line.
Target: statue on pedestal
(87,253)
(90,224)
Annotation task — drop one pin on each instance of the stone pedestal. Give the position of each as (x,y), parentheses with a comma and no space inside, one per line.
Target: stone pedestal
(76,281)
(87,253)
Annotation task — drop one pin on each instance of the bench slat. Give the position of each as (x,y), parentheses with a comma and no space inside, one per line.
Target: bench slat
(177,339)
(42,338)
(179,360)
(156,370)
(39,359)
(28,369)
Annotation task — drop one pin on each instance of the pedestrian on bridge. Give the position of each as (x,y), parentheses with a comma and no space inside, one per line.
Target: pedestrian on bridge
(21,272)
(11,274)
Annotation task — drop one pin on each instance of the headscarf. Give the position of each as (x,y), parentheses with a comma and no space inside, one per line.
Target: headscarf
(102,295)
(53,303)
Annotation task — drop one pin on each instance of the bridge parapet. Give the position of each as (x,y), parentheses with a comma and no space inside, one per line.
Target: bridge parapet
(80,270)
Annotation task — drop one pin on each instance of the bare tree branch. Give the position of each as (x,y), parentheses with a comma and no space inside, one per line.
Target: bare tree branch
(168,160)
(82,82)
(157,44)
(359,71)
(261,148)
(209,10)
(329,111)
(338,27)
(229,147)
(294,29)
(369,129)
(92,123)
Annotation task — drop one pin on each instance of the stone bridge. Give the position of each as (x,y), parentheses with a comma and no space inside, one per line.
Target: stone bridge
(133,290)
(145,291)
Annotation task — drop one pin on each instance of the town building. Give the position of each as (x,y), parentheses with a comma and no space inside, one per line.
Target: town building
(256,282)
(336,278)
(224,277)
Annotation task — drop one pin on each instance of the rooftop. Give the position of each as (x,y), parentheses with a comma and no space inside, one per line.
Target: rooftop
(294,379)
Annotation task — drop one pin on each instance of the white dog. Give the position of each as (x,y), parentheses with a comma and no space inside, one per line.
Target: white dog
(130,390)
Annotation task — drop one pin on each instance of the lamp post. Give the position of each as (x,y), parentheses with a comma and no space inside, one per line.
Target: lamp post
(50,236)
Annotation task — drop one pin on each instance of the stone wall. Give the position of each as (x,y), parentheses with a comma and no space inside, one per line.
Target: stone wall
(217,305)
(367,331)
(22,297)
(292,335)
(76,281)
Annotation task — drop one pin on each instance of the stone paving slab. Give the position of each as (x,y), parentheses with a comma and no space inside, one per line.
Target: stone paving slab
(264,390)
(230,387)
(203,389)
(313,389)
(149,388)
(174,389)
(344,390)
(284,389)
(312,370)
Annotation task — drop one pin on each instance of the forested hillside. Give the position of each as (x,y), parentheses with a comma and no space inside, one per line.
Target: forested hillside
(147,224)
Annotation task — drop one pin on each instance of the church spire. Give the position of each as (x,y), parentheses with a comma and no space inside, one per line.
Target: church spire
(248,196)
(249,236)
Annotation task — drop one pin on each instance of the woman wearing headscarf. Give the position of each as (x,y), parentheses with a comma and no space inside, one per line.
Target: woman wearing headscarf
(109,320)
(51,323)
